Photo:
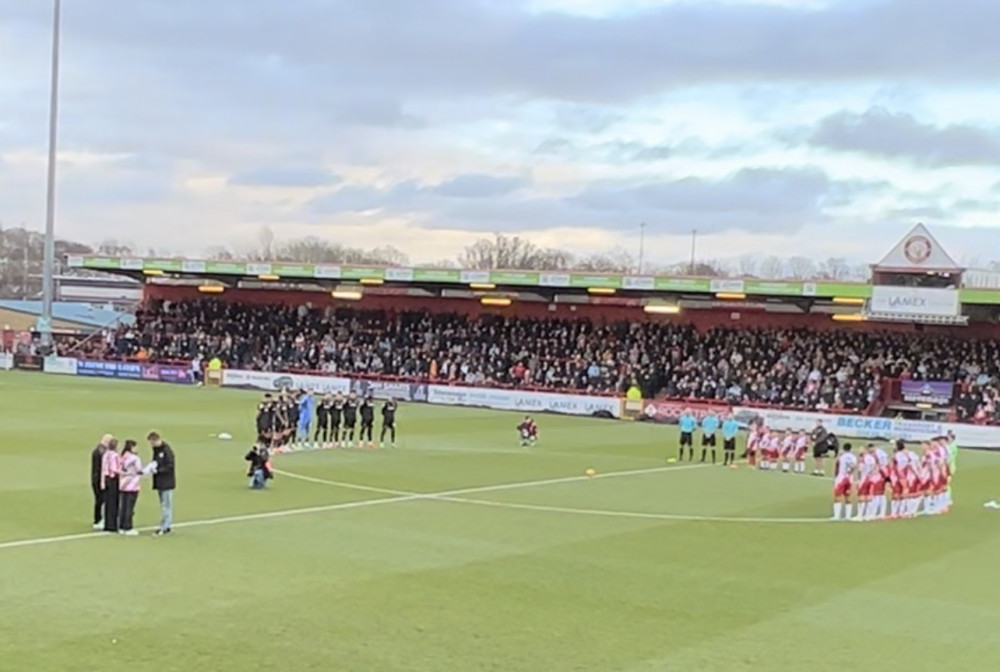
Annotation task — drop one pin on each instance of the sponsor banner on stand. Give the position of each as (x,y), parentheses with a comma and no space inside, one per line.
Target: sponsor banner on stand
(928,391)
(6,361)
(60,366)
(662,410)
(864,427)
(527,402)
(275,382)
(915,301)
(385,389)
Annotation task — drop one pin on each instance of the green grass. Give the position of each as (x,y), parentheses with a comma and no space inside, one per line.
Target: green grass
(415,585)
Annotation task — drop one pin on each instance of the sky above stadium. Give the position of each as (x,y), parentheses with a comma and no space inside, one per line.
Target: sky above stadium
(803,128)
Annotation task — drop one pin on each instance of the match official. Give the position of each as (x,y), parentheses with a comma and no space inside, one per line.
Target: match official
(730,428)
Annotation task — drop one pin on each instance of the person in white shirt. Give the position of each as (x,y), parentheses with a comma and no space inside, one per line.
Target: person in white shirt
(847,466)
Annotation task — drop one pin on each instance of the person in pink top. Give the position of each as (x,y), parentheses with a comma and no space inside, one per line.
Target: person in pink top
(131,477)
(111,469)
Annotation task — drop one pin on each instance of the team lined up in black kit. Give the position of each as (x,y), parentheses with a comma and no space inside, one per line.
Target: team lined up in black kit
(285,421)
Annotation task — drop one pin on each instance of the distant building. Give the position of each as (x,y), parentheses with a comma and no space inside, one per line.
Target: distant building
(19,316)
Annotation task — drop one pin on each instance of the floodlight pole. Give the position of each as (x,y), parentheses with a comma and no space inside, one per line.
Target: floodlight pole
(45,320)
(642,245)
(694,243)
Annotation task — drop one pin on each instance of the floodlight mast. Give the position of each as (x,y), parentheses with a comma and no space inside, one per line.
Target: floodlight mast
(45,319)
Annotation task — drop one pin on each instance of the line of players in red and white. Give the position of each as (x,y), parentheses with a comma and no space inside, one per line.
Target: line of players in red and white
(919,483)
(789,449)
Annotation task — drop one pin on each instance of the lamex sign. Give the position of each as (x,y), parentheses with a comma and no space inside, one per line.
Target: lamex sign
(526,402)
(275,382)
(915,301)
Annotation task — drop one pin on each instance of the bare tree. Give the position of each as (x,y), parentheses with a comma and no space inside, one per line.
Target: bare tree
(115,248)
(748,266)
(265,245)
(801,268)
(512,252)
(772,268)
(220,253)
(835,268)
(615,261)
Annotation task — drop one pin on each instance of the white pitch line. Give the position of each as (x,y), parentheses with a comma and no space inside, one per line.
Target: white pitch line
(607,513)
(395,496)
(453,496)
(487,488)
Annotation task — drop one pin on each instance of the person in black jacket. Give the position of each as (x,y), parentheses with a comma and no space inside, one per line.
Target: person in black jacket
(96,463)
(260,467)
(367,410)
(164,480)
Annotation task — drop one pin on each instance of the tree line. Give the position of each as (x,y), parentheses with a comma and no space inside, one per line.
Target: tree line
(22,253)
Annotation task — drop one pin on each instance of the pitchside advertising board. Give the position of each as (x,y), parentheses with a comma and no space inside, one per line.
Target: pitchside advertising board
(506,400)
(275,382)
(134,371)
(528,402)
(6,361)
(851,426)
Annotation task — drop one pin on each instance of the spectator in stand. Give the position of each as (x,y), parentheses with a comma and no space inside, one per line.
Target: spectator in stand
(836,370)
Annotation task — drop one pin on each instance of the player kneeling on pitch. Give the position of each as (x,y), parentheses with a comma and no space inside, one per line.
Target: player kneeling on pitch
(260,467)
(529,431)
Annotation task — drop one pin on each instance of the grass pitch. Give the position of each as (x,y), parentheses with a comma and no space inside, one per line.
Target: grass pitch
(460,552)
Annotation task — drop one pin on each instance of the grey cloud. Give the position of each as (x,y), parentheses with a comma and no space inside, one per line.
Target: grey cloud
(754,200)
(882,133)
(284,176)
(480,186)
(475,48)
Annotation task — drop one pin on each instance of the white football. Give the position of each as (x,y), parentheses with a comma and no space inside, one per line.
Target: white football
(225,437)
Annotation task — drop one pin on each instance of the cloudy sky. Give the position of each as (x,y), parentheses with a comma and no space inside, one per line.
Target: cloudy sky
(817,128)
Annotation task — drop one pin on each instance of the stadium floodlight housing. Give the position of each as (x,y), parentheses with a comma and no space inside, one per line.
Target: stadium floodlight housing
(849,317)
(211,289)
(347,295)
(848,301)
(152,271)
(372,281)
(482,285)
(498,301)
(601,290)
(730,296)
(662,309)
(268,276)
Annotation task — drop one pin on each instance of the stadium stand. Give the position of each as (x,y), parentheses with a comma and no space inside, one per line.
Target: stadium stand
(790,368)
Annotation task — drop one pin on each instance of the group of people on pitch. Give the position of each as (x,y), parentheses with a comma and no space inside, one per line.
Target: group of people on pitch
(116,473)
(285,421)
(919,483)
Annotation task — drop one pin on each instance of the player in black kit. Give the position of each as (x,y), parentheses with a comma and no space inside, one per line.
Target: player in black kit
(389,421)
(265,420)
(367,410)
(323,411)
(350,420)
(336,419)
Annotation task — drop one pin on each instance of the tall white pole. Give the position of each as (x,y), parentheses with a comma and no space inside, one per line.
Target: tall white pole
(45,321)
(694,242)
(642,245)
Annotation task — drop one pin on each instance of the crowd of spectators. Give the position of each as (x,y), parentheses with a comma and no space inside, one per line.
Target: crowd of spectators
(837,370)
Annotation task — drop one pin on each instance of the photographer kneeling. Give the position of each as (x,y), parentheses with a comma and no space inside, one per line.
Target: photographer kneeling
(260,467)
